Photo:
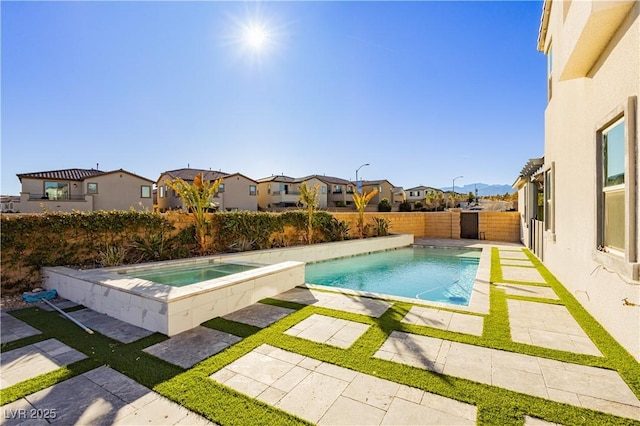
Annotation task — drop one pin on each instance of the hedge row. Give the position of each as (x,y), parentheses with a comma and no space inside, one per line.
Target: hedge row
(86,240)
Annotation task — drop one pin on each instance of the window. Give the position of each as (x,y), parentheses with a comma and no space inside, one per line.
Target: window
(221,187)
(56,190)
(92,188)
(548,200)
(252,190)
(269,189)
(324,189)
(161,191)
(145,191)
(613,186)
(617,220)
(337,189)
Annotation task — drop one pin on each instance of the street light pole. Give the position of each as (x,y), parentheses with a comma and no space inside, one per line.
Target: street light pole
(366,164)
(453,190)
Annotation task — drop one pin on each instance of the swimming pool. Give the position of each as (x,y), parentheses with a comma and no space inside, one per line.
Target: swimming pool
(178,276)
(426,273)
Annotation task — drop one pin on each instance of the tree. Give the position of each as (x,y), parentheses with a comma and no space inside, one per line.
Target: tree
(198,198)
(430,199)
(470,197)
(361,201)
(309,197)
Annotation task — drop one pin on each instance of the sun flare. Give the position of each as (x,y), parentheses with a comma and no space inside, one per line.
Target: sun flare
(256,36)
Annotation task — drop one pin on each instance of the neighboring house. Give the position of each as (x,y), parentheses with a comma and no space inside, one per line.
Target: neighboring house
(340,191)
(84,190)
(384,187)
(590,173)
(398,195)
(10,204)
(279,191)
(236,192)
(419,193)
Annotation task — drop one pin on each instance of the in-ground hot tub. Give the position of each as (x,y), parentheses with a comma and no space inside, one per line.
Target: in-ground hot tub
(213,288)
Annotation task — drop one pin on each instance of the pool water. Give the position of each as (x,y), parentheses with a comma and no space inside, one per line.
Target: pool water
(427,273)
(178,276)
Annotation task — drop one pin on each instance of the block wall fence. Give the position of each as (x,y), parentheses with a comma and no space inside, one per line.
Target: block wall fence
(495,226)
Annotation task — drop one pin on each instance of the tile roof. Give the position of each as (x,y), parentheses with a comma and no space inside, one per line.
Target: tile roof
(188,174)
(66,174)
(278,178)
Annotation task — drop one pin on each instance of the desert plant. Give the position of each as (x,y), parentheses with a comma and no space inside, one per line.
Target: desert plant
(112,255)
(309,197)
(150,248)
(382,226)
(361,200)
(198,198)
(384,205)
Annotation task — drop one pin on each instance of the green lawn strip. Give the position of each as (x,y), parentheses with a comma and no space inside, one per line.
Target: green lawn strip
(43,381)
(359,357)
(619,358)
(518,266)
(222,404)
(25,341)
(125,358)
(525,283)
(535,299)
(237,328)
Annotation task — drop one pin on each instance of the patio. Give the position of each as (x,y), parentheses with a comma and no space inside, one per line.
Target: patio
(312,356)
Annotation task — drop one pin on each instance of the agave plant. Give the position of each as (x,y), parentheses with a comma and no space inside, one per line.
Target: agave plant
(198,197)
(361,201)
(309,197)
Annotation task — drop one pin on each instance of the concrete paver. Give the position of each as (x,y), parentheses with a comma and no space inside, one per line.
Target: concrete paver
(529,290)
(549,326)
(341,302)
(259,314)
(11,328)
(110,327)
(329,330)
(192,346)
(324,393)
(100,396)
(33,360)
(584,386)
(512,254)
(445,320)
(517,273)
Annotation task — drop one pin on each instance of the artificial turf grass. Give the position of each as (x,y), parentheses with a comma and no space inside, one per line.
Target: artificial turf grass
(125,358)
(229,407)
(359,358)
(195,390)
(620,359)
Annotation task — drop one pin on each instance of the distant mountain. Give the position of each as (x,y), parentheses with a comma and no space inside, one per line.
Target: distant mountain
(483,189)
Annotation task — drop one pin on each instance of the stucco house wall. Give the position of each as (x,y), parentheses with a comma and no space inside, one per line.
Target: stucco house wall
(120,190)
(237,193)
(588,90)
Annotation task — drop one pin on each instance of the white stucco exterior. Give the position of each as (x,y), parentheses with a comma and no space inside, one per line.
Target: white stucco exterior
(594,81)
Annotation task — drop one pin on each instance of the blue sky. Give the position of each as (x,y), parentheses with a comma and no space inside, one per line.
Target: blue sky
(423,91)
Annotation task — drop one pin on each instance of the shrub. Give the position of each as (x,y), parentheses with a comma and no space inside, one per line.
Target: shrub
(384,205)
(381,226)
(405,206)
(417,205)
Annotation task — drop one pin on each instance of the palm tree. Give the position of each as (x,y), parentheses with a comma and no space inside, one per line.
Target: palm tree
(361,201)
(198,198)
(309,197)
